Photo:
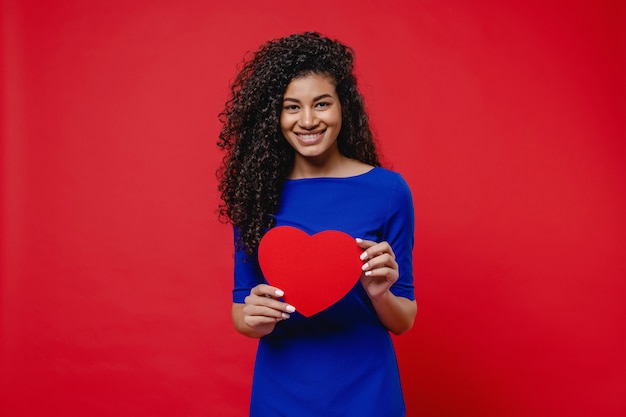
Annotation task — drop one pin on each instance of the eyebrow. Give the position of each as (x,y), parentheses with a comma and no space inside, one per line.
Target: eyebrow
(314,98)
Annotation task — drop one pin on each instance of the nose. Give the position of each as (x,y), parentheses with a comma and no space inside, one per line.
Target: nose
(307,119)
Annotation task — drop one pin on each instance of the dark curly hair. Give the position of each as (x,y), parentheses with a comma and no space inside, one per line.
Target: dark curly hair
(257,157)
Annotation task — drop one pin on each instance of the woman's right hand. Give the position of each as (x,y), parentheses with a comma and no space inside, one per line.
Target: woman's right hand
(261,310)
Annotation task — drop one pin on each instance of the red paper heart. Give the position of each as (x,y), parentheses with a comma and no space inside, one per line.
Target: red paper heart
(314,271)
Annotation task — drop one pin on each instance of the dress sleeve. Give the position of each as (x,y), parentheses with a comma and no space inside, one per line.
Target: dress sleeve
(399,233)
(247,273)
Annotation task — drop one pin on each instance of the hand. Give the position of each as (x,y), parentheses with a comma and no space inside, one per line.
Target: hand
(380,269)
(262,309)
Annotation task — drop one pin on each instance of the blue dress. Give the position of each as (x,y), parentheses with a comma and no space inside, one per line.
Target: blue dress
(341,361)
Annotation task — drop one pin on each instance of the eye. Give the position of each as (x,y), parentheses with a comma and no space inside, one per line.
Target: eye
(322,104)
(290,107)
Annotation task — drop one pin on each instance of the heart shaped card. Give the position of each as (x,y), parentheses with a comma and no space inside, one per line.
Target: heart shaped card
(314,271)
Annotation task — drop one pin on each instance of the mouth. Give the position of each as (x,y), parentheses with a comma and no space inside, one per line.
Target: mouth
(310,138)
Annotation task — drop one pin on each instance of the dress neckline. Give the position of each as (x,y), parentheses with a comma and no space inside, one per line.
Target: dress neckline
(332,178)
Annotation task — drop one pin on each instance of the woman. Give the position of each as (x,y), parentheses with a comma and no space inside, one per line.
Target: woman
(299,151)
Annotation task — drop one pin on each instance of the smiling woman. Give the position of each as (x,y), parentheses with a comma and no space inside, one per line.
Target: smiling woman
(505,118)
(316,166)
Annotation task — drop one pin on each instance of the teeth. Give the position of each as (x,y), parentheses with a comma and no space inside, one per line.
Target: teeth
(308,136)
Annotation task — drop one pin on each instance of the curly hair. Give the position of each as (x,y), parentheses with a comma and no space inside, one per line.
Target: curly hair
(257,157)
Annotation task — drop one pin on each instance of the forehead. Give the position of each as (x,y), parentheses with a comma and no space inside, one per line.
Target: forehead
(310,85)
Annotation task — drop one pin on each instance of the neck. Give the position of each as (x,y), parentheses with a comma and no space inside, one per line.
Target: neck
(326,166)
(343,167)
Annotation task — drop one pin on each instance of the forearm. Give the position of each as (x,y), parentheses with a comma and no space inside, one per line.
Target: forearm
(396,313)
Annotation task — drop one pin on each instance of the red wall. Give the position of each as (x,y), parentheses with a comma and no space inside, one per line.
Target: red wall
(508,121)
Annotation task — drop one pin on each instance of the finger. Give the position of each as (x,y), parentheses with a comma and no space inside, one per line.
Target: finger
(365,243)
(384,260)
(267,291)
(377,250)
(268,302)
(260,321)
(386,273)
(258,312)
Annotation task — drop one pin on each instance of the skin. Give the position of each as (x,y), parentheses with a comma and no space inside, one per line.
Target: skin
(310,121)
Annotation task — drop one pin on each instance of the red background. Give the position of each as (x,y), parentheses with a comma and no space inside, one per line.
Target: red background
(507,120)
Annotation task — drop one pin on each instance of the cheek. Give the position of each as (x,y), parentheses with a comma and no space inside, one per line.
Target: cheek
(285,123)
(338,119)
(285,128)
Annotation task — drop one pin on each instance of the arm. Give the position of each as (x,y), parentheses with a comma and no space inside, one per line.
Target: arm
(260,312)
(396,313)
(256,306)
(380,271)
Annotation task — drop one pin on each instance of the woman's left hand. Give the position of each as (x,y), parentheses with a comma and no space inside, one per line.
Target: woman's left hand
(380,269)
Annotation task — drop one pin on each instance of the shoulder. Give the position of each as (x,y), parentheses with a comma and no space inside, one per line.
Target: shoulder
(389,178)
(394,187)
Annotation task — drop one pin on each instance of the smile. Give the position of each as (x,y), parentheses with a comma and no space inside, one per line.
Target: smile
(310,135)
(309,138)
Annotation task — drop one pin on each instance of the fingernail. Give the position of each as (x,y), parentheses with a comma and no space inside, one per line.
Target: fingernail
(290,308)
(365,266)
(364,256)
(368,273)
(285,315)
(279,293)
(359,240)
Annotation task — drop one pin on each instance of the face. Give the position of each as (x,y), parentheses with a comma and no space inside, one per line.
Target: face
(310,119)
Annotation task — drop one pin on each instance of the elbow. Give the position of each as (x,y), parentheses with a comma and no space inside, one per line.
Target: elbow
(403,326)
